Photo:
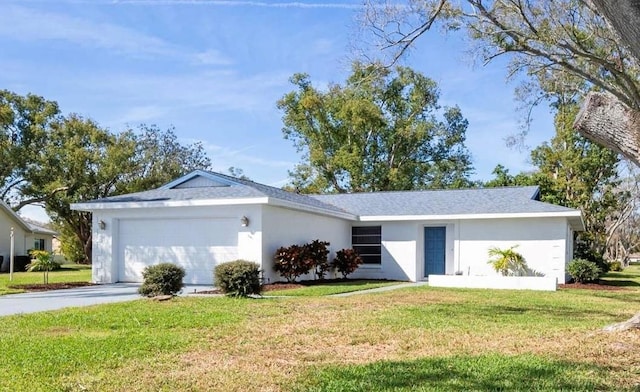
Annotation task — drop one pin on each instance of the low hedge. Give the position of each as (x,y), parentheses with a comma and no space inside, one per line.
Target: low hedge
(162,279)
(583,271)
(238,278)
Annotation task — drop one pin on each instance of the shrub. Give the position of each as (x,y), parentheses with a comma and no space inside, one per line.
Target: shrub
(615,266)
(508,262)
(291,262)
(583,271)
(162,279)
(346,261)
(238,278)
(316,252)
(583,251)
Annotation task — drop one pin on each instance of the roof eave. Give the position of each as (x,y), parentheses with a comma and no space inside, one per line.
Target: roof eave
(16,218)
(312,209)
(572,215)
(171,203)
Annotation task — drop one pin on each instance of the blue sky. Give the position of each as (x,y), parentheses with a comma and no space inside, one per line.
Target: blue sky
(215,69)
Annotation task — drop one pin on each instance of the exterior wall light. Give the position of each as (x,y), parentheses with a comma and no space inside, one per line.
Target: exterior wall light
(102,224)
(244,221)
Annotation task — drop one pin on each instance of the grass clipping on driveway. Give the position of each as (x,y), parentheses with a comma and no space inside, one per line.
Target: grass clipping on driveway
(406,340)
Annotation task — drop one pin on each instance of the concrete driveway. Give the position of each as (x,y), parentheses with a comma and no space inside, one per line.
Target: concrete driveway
(82,296)
(58,299)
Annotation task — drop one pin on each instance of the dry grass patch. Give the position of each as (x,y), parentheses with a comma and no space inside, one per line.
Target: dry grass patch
(202,344)
(280,340)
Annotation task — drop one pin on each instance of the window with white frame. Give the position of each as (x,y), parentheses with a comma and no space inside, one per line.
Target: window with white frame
(39,244)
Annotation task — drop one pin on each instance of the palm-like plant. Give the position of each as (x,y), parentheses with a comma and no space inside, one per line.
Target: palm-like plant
(508,262)
(42,261)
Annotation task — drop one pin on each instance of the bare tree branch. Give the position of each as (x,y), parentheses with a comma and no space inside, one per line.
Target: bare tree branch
(39,199)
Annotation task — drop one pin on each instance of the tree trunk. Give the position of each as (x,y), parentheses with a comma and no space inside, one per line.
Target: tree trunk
(624,17)
(607,121)
(632,323)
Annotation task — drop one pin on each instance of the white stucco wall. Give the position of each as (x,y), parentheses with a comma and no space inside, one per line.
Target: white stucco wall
(23,240)
(285,227)
(542,242)
(105,242)
(403,250)
(48,240)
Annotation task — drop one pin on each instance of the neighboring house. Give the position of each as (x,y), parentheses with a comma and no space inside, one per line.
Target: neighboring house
(203,219)
(27,235)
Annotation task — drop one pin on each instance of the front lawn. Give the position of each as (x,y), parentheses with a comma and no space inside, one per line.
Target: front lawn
(411,339)
(68,273)
(629,277)
(329,288)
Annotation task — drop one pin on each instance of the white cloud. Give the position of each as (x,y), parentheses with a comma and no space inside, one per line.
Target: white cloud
(322,46)
(26,24)
(211,57)
(229,3)
(224,157)
(34,25)
(141,114)
(208,91)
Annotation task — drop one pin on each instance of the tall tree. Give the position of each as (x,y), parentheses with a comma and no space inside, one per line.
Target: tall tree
(563,45)
(88,162)
(574,172)
(24,124)
(581,174)
(158,158)
(502,177)
(379,131)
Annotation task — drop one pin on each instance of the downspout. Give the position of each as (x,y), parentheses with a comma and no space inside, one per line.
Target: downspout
(458,245)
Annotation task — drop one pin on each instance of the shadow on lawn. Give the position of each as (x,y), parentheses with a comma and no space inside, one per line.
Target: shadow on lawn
(458,373)
(624,283)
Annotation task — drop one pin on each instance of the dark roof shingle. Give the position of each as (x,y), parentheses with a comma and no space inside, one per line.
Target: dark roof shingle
(508,200)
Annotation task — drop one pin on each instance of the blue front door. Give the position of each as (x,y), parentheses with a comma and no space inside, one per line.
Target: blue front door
(434,250)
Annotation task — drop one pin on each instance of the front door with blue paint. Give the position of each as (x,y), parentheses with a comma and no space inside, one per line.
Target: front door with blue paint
(434,250)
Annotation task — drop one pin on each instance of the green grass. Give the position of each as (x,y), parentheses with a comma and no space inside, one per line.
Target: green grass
(410,339)
(458,373)
(318,290)
(629,277)
(68,273)
(46,348)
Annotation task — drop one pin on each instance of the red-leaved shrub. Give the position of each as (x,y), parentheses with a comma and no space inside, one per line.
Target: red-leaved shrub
(291,262)
(346,261)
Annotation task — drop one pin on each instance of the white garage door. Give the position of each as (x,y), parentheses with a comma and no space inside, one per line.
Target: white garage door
(197,245)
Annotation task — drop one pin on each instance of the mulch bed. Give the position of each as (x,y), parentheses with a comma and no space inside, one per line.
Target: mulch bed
(50,286)
(590,286)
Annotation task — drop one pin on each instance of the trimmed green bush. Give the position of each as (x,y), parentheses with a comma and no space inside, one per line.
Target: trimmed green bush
(583,251)
(583,271)
(239,278)
(615,266)
(346,261)
(162,279)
